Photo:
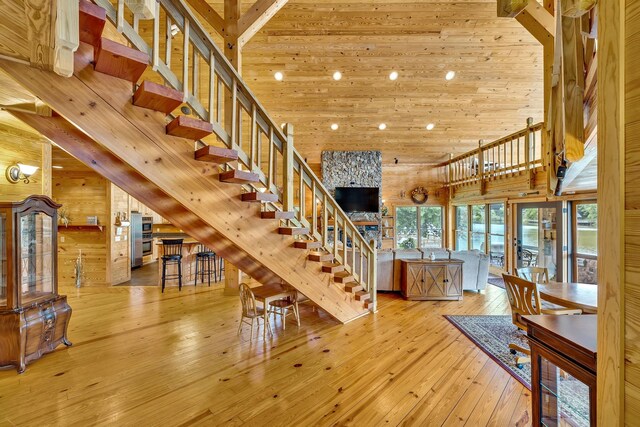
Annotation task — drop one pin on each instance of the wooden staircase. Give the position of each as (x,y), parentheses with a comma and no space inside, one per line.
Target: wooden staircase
(108,125)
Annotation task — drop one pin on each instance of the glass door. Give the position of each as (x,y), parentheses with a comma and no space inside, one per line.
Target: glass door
(539,237)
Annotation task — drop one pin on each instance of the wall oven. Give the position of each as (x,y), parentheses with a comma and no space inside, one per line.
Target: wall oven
(147,246)
(147,224)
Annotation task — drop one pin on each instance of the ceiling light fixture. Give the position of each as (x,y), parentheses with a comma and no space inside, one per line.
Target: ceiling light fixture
(450,75)
(334,126)
(382,126)
(19,172)
(337,75)
(393,75)
(430,126)
(278,76)
(56,167)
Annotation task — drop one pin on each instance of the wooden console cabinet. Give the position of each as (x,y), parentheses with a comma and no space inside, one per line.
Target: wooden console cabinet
(33,317)
(423,279)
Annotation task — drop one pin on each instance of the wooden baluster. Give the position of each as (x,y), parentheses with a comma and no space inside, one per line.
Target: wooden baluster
(511,154)
(345,238)
(185,62)
(325,221)
(361,271)
(481,166)
(253,150)
(504,155)
(259,149)
(167,48)
(519,157)
(527,147)
(120,16)
(195,71)
(234,114)
(219,93)
(212,77)
(301,196)
(335,233)
(271,166)
(353,252)
(450,170)
(156,37)
(314,207)
(287,160)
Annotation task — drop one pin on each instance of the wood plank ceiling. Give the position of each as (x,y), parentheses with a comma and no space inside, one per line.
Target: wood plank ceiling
(498,81)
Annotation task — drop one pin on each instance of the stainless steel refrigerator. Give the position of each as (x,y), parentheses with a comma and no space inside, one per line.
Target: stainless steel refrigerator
(135,226)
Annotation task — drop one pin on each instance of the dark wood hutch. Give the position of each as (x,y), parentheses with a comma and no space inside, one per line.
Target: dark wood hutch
(33,317)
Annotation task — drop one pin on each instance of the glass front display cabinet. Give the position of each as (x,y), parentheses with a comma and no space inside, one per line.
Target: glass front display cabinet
(33,317)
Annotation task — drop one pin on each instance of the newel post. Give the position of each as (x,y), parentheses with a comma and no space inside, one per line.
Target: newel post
(373,276)
(287,162)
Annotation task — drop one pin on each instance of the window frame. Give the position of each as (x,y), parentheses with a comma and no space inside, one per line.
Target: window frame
(487,228)
(443,224)
(574,237)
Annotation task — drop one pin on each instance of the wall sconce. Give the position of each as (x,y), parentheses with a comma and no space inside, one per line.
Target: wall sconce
(19,172)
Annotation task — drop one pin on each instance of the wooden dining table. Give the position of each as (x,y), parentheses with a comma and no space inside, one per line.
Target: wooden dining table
(571,295)
(267,293)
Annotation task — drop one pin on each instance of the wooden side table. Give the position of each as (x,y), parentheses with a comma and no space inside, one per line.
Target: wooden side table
(563,366)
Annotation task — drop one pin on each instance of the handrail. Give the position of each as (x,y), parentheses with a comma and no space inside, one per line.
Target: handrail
(517,153)
(225,102)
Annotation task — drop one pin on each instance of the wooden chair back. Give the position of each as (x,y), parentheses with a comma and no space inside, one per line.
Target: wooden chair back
(172,247)
(248,300)
(523,296)
(534,274)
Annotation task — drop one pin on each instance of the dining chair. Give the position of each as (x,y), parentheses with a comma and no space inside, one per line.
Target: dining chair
(534,274)
(250,310)
(282,306)
(524,300)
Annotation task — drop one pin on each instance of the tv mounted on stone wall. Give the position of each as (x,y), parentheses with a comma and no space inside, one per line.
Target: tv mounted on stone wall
(358,199)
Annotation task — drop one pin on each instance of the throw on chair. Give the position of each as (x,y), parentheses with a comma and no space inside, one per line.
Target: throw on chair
(524,299)
(250,311)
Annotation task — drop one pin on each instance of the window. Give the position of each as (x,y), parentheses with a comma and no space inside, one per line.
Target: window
(585,252)
(430,226)
(497,234)
(478,227)
(419,226)
(462,228)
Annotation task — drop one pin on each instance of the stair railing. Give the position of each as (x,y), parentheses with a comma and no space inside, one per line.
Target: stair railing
(241,123)
(520,152)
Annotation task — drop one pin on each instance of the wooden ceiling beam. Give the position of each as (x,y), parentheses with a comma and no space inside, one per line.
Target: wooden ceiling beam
(212,17)
(256,17)
(511,8)
(538,21)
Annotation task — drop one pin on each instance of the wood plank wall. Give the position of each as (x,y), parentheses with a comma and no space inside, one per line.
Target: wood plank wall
(16,145)
(619,213)
(82,193)
(119,244)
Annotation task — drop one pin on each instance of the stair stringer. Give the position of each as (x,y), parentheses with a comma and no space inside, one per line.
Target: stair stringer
(100,106)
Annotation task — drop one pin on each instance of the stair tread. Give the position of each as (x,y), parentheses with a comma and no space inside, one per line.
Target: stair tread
(277,215)
(236,176)
(189,127)
(91,20)
(332,268)
(291,231)
(120,61)
(320,256)
(362,295)
(217,155)
(307,244)
(342,277)
(157,97)
(258,196)
(353,287)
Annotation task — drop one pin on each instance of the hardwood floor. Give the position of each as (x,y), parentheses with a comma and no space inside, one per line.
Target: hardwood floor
(140,357)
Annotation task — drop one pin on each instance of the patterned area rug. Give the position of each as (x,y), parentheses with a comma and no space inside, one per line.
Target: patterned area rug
(493,334)
(495,280)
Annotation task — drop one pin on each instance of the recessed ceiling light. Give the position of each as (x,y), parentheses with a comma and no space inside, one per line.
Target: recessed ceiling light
(393,75)
(450,75)
(278,76)
(430,126)
(334,126)
(337,75)
(382,126)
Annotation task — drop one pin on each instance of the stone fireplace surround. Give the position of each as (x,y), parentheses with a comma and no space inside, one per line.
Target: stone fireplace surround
(355,169)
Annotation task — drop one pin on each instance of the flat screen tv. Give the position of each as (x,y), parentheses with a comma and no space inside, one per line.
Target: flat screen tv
(358,199)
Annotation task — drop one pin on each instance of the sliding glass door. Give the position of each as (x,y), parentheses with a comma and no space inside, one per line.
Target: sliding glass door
(462,228)
(585,242)
(539,237)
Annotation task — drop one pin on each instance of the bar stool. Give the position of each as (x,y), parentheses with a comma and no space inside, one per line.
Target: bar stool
(204,256)
(221,266)
(171,255)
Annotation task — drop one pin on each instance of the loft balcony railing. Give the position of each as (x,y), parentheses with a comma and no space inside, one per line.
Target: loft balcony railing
(185,56)
(512,155)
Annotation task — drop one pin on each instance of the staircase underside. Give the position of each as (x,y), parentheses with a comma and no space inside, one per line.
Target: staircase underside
(128,145)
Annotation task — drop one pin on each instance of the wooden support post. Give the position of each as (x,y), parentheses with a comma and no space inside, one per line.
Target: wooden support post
(232,278)
(232,48)
(287,171)
(373,275)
